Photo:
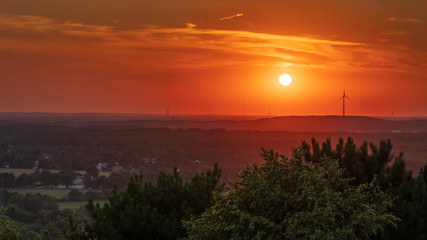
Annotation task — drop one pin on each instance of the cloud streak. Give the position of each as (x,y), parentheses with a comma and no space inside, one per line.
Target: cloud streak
(402,20)
(77,44)
(231,17)
(396,33)
(190,25)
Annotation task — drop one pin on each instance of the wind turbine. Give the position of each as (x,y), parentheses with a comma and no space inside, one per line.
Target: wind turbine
(343,102)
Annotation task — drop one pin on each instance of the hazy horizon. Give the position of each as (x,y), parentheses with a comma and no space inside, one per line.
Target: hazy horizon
(207,114)
(194,116)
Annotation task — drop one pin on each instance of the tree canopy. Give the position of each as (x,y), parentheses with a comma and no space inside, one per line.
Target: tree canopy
(365,163)
(361,163)
(154,211)
(9,229)
(295,199)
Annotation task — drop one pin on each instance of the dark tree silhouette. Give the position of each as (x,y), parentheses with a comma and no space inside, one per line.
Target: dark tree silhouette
(148,211)
(295,199)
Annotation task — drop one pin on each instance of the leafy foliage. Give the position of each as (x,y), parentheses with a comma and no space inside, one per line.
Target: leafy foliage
(295,199)
(364,164)
(7,180)
(410,203)
(10,229)
(25,179)
(76,225)
(361,163)
(119,179)
(148,211)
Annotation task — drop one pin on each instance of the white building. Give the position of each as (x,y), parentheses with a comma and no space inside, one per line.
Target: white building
(101,166)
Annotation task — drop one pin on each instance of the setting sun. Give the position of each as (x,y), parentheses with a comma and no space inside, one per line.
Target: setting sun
(139,61)
(317,108)
(285,79)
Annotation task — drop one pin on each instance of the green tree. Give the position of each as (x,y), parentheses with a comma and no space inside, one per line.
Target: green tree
(48,178)
(10,229)
(119,179)
(148,211)
(66,176)
(92,171)
(368,161)
(76,225)
(75,195)
(25,180)
(295,199)
(410,203)
(7,180)
(362,163)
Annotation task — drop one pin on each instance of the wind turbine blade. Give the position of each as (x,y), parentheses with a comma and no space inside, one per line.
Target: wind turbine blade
(347,97)
(340,98)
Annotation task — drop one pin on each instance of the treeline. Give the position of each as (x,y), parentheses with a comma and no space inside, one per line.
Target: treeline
(39,213)
(34,212)
(78,195)
(119,179)
(368,163)
(320,192)
(341,192)
(78,148)
(30,207)
(64,177)
(60,147)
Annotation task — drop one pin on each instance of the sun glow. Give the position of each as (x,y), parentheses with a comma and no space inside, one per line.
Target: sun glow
(285,79)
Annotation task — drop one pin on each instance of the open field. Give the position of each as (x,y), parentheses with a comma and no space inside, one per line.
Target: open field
(57,193)
(74,205)
(19,171)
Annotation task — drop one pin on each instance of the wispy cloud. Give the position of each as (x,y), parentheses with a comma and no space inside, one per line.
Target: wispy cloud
(396,33)
(231,17)
(402,20)
(190,48)
(190,25)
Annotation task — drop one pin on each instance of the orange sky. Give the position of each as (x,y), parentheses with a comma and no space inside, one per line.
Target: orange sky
(207,57)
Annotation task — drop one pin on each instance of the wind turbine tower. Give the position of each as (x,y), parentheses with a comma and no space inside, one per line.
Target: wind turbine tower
(343,103)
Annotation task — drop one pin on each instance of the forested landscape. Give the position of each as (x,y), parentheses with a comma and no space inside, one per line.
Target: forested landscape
(303,188)
(213,120)
(150,150)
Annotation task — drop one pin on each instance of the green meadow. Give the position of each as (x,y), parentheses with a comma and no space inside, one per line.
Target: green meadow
(74,205)
(57,193)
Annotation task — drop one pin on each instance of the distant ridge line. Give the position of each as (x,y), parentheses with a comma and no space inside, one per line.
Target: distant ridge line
(294,123)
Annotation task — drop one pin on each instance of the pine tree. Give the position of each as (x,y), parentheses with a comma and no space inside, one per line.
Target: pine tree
(154,211)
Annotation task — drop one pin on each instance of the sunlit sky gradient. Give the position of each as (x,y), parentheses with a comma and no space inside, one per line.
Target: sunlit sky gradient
(207,57)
